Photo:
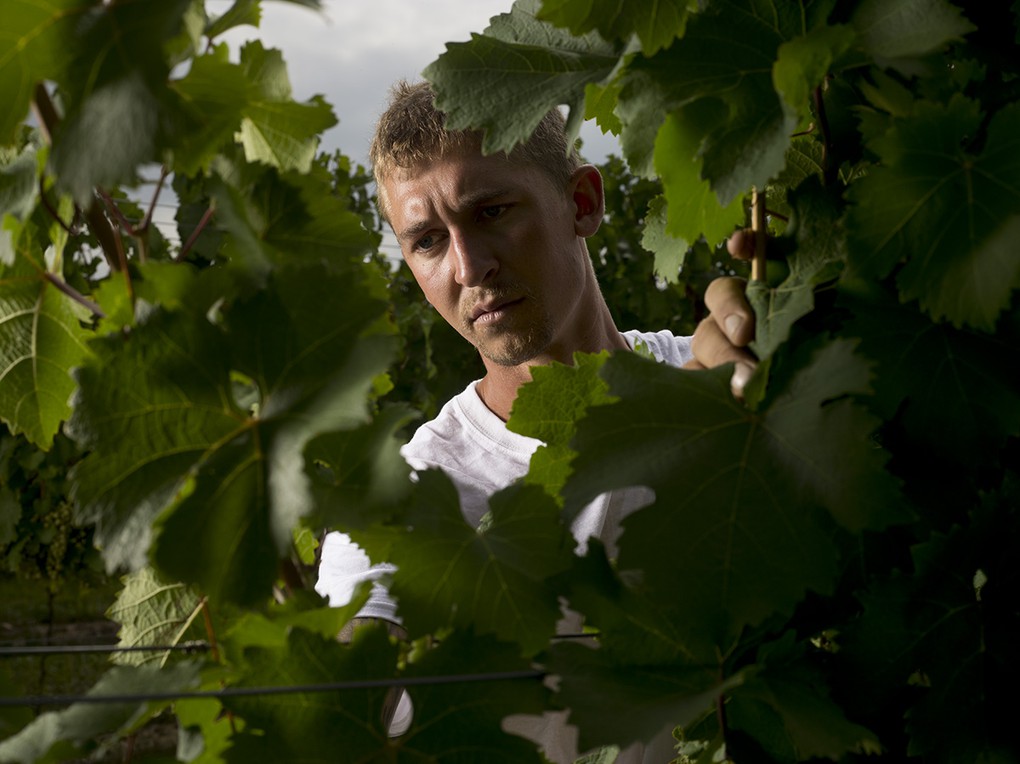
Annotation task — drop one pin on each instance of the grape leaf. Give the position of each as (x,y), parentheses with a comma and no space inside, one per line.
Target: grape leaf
(152,612)
(236,479)
(804,61)
(600,105)
(41,340)
(737,493)
(905,28)
(277,130)
(213,96)
(670,252)
(817,230)
(949,216)
(280,219)
(462,722)
(506,80)
(693,210)
(74,732)
(359,476)
(203,730)
(726,59)
(313,726)
(804,158)
(957,387)
(35,45)
(552,420)
(623,704)
(491,579)
(114,83)
(19,190)
(784,705)
(242,12)
(655,22)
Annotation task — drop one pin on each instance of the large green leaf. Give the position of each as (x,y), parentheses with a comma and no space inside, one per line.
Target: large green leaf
(19,191)
(313,726)
(310,346)
(282,219)
(655,22)
(726,59)
(213,96)
(36,43)
(784,706)
(359,476)
(693,210)
(114,86)
(892,29)
(462,722)
(646,677)
(948,216)
(152,612)
(737,492)
(492,579)
(622,704)
(276,130)
(549,410)
(77,730)
(505,80)
(955,388)
(41,340)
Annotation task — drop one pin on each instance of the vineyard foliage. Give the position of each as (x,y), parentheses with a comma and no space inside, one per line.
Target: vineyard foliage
(829,567)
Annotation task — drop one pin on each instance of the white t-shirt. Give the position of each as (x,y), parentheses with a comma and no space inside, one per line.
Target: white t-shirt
(481,456)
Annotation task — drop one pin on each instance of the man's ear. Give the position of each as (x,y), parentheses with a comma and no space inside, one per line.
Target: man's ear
(589,201)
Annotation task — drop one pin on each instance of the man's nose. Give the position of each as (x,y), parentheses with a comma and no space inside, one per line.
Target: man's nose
(474,261)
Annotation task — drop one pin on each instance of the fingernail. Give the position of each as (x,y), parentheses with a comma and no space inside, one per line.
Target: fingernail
(741,376)
(733,323)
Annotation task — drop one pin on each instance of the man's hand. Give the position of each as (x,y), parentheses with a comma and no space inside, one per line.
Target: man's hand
(722,337)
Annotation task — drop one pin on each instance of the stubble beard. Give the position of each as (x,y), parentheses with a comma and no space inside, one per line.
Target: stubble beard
(513,345)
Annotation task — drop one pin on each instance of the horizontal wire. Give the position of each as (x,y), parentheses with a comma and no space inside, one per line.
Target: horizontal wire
(16,650)
(239,692)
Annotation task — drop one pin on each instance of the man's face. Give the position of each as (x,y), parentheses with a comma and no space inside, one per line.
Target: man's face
(495,247)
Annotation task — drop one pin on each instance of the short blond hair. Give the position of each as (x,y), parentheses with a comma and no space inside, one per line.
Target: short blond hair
(412,132)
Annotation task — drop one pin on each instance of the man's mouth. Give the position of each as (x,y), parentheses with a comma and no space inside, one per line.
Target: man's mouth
(492,310)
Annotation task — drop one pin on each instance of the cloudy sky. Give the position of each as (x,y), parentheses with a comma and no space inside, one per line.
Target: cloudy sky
(353,50)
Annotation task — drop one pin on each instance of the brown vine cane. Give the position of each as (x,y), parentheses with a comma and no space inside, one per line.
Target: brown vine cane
(758,227)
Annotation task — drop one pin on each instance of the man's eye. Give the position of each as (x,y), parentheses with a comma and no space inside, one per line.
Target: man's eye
(493,211)
(425,243)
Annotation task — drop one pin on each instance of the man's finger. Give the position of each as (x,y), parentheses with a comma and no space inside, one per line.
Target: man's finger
(711,348)
(741,244)
(729,308)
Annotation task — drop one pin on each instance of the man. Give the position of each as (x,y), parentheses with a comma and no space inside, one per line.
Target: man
(497,245)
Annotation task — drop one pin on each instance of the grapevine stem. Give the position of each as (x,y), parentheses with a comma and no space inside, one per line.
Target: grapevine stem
(758,227)
(195,234)
(74,294)
(164,172)
(53,212)
(214,650)
(101,227)
(121,255)
(828,173)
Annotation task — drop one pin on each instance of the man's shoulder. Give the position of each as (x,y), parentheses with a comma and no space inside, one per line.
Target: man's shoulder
(663,345)
(465,432)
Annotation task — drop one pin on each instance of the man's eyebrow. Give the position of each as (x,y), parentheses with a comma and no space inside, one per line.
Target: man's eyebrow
(412,231)
(466,202)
